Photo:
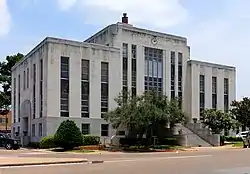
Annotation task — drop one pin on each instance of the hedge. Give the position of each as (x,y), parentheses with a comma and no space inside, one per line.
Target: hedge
(47,142)
(232,138)
(90,140)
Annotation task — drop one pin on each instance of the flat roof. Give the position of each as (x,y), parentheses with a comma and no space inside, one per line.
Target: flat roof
(140,30)
(68,42)
(212,64)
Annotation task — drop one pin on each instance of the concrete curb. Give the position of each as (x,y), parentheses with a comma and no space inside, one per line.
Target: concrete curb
(43,163)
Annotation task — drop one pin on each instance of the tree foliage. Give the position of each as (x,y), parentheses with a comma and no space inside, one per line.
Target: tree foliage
(68,135)
(5,79)
(218,121)
(141,114)
(241,111)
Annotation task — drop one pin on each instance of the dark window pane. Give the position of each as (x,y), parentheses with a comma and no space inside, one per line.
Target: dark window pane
(85,129)
(85,109)
(125,50)
(64,88)
(133,92)
(64,114)
(180,58)
(64,60)
(85,115)
(214,101)
(172,57)
(172,94)
(104,109)
(104,89)
(85,88)
(133,64)
(105,130)
(85,69)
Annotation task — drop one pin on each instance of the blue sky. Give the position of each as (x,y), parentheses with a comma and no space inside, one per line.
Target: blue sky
(217,30)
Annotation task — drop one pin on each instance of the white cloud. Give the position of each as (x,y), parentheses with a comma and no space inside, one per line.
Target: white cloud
(5,18)
(65,4)
(159,14)
(226,39)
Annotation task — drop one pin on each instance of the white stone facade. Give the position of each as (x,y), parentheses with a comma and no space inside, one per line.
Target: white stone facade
(107,46)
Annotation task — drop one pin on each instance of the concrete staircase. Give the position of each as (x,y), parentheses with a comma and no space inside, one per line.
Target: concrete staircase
(193,139)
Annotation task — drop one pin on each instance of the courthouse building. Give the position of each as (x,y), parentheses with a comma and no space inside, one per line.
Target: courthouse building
(63,79)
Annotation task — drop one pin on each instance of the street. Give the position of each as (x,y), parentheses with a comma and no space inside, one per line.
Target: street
(229,161)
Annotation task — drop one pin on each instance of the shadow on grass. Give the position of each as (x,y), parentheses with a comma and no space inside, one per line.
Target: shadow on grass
(72,150)
(159,148)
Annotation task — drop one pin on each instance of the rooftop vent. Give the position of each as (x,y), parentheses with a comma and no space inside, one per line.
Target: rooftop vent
(125,18)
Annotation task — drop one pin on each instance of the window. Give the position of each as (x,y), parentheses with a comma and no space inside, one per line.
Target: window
(33,131)
(14,101)
(104,87)
(172,82)
(214,92)
(85,129)
(41,88)
(153,69)
(202,83)
(134,51)
(24,80)
(64,98)
(214,101)
(214,85)
(133,70)
(226,86)
(18,99)
(34,91)
(180,57)
(40,130)
(226,93)
(28,78)
(85,89)
(125,50)
(202,95)
(125,65)
(104,130)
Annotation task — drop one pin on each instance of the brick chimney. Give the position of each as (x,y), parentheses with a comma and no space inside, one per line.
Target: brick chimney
(125,18)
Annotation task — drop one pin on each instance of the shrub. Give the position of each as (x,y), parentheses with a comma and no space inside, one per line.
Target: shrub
(68,135)
(47,142)
(90,140)
(232,138)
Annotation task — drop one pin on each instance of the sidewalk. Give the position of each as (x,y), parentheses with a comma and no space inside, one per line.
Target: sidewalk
(23,161)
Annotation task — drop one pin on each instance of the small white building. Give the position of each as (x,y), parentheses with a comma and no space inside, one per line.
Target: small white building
(61,79)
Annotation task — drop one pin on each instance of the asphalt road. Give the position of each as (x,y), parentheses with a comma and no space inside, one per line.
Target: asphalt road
(229,161)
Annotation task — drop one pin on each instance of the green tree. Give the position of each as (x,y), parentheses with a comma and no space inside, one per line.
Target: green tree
(5,79)
(241,111)
(218,121)
(144,114)
(68,135)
